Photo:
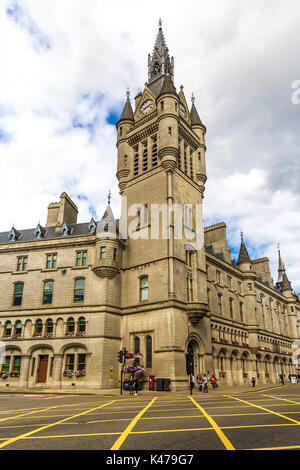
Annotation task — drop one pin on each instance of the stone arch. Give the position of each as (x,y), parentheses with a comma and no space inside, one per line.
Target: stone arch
(40,346)
(195,349)
(71,345)
(235,366)
(28,331)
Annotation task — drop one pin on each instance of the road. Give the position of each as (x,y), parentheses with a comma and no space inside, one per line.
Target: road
(267,419)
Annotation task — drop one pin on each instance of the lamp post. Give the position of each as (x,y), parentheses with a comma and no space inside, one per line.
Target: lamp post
(189,363)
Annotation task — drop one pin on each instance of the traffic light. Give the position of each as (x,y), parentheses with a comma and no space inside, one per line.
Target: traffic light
(120,356)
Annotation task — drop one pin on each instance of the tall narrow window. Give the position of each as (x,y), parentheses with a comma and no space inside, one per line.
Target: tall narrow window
(185,158)
(81,258)
(189,289)
(229,280)
(79,290)
(170,131)
(49,327)
(18,293)
(115,254)
(70,361)
(22,263)
(136,161)
(145,156)
(102,252)
(71,325)
(179,154)
(48,292)
(7,329)
(191,167)
(231,307)
(241,311)
(17,364)
(162,106)
(18,328)
(154,151)
(137,345)
(188,255)
(199,156)
(38,327)
(51,261)
(81,325)
(81,361)
(144,288)
(6,365)
(149,351)
(220,304)
(218,276)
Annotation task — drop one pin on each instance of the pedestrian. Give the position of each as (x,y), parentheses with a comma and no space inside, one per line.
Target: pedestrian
(282,378)
(213,381)
(200,382)
(131,385)
(253,381)
(193,382)
(205,380)
(136,386)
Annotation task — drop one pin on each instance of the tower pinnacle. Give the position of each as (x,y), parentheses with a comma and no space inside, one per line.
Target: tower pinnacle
(160,63)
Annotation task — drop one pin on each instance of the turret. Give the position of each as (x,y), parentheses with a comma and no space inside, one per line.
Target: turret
(244,261)
(124,125)
(200,130)
(107,255)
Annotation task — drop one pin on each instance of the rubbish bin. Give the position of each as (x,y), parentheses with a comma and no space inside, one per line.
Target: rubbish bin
(151,382)
(166,385)
(159,385)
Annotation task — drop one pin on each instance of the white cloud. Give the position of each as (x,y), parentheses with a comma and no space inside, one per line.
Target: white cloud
(64,67)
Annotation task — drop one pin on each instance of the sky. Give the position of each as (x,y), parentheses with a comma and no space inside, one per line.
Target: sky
(64,69)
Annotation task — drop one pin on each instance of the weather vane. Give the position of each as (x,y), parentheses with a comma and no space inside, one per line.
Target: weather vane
(127,92)
(242,235)
(109,197)
(193,98)
(160,23)
(278,246)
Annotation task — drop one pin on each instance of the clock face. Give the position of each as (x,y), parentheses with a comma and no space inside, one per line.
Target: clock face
(182,109)
(146,107)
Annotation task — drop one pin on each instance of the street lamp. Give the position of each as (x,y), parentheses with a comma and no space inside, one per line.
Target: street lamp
(189,361)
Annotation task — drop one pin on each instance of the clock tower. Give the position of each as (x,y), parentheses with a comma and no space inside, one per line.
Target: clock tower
(161,166)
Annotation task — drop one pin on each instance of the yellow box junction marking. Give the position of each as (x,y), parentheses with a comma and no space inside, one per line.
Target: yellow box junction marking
(265,409)
(131,425)
(284,399)
(22,436)
(220,433)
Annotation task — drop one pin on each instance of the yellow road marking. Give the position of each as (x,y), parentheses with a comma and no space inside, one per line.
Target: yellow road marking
(284,399)
(22,436)
(221,435)
(266,409)
(131,425)
(27,414)
(277,448)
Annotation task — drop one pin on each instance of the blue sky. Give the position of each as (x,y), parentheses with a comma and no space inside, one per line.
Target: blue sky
(64,73)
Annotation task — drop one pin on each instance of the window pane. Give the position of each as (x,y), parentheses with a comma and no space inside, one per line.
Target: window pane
(79,290)
(18,294)
(48,292)
(78,259)
(148,351)
(17,364)
(81,361)
(5,367)
(84,258)
(70,362)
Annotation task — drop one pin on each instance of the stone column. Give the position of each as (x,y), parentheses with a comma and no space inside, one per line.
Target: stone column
(24,372)
(57,370)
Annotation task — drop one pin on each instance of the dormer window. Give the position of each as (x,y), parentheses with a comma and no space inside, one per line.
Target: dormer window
(14,235)
(65,230)
(40,232)
(92,226)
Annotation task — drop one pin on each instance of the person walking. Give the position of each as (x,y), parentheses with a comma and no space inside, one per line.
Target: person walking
(213,381)
(282,378)
(205,380)
(136,386)
(131,385)
(200,382)
(253,381)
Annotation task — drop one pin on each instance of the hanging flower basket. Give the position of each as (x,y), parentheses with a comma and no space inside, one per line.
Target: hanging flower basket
(129,355)
(80,373)
(68,373)
(14,374)
(80,333)
(138,355)
(4,375)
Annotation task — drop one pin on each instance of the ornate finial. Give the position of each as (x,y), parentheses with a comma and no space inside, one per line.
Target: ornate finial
(193,98)
(242,235)
(127,92)
(109,197)
(278,246)
(160,23)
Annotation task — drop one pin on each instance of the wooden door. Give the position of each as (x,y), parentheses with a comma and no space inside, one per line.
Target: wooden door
(42,371)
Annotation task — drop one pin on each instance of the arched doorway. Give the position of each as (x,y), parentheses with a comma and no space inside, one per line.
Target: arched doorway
(195,358)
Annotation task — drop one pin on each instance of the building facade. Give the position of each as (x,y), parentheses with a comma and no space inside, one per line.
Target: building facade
(73,294)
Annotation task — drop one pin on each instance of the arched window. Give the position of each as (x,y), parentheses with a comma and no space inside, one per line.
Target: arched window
(49,326)
(79,290)
(241,311)
(48,292)
(144,288)
(38,327)
(7,328)
(231,307)
(81,325)
(70,325)
(220,304)
(18,328)
(149,351)
(136,344)
(18,293)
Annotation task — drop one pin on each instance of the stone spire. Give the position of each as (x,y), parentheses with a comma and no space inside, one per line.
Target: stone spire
(127,114)
(195,118)
(281,268)
(160,62)
(107,227)
(243,255)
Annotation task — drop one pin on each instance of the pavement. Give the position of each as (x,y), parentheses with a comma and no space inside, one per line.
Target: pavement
(231,419)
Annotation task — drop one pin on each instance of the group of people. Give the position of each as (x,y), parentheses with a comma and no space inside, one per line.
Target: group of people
(133,385)
(202,382)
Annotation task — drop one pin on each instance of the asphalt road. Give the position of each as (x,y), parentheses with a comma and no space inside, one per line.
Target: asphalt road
(262,420)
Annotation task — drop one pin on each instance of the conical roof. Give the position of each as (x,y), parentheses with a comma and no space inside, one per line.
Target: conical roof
(281,268)
(168,86)
(195,118)
(108,224)
(243,255)
(285,284)
(127,113)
